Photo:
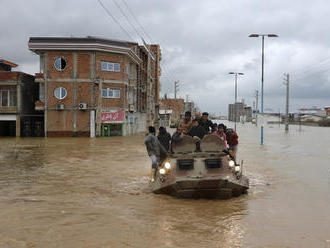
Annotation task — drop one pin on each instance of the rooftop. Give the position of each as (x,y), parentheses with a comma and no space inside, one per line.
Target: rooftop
(37,44)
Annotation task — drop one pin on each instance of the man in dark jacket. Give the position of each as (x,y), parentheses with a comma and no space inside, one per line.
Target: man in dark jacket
(197,130)
(164,138)
(206,123)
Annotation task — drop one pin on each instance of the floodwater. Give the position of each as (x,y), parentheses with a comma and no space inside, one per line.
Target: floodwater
(81,192)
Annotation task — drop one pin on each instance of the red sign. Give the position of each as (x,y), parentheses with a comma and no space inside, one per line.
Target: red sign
(108,117)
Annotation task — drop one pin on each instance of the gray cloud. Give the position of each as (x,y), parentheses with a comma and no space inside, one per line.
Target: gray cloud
(201,42)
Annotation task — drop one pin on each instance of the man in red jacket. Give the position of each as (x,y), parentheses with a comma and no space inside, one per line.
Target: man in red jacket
(232,140)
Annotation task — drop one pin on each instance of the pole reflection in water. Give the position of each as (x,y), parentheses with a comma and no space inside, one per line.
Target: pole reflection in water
(81,192)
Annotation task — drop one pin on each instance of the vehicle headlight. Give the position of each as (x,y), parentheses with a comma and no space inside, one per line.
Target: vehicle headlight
(167,165)
(162,171)
(237,168)
(231,163)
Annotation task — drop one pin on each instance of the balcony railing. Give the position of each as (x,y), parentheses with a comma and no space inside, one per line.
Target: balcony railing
(39,77)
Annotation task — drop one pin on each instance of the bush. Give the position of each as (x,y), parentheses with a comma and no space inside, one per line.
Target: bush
(324,123)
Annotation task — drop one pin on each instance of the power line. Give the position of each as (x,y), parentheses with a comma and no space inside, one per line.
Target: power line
(114,19)
(146,34)
(126,32)
(136,20)
(310,67)
(123,13)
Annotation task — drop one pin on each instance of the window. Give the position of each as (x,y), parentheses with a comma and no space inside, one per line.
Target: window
(60,93)
(116,67)
(104,66)
(60,63)
(8,98)
(109,66)
(110,93)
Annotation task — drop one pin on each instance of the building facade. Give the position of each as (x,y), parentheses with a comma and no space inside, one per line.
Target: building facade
(18,92)
(91,86)
(176,105)
(240,112)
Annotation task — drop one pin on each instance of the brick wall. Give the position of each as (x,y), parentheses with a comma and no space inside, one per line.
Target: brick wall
(61,122)
(115,102)
(83,64)
(9,75)
(68,70)
(53,101)
(176,105)
(115,58)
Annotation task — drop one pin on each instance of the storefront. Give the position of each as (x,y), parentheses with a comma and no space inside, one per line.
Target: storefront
(112,123)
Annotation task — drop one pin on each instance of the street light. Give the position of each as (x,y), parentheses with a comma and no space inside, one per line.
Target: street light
(235,105)
(262,77)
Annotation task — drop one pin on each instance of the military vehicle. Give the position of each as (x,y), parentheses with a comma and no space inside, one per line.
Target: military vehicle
(205,170)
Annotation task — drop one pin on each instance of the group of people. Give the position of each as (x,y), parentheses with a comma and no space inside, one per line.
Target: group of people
(158,147)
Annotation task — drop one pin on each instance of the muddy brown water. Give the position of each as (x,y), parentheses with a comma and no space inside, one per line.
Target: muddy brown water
(81,192)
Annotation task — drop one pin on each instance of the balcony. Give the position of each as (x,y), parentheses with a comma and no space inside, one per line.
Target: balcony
(39,77)
(40,106)
(8,109)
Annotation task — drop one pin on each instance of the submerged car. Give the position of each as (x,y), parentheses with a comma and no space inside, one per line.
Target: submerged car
(203,171)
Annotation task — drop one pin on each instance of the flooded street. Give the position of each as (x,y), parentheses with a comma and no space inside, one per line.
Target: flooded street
(82,192)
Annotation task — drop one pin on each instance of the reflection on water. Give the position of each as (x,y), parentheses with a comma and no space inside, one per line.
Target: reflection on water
(81,192)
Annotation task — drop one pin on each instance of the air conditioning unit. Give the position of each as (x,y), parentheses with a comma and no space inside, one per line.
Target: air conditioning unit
(82,106)
(60,106)
(131,108)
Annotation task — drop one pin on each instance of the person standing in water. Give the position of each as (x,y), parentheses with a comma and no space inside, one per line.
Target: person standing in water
(155,151)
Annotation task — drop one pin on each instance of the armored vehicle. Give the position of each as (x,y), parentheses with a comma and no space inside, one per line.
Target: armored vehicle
(207,171)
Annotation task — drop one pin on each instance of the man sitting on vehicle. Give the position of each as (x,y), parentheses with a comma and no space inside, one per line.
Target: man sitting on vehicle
(197,132)
(155,151)
(198,117)
(186,123)
(206,123)
(177,136)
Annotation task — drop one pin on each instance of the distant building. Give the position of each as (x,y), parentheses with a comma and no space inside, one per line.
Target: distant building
(312,111)
(327,110)
(18,92)
(165,117)
(91,86)
(239,111)
(189,106)
(176,105)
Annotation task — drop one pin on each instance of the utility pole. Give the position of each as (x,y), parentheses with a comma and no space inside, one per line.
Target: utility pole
(176,89)
(257,106)
(262,79)
(235,104)
(287,83)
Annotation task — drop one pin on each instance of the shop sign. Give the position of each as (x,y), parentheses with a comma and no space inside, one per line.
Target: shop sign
(109,117)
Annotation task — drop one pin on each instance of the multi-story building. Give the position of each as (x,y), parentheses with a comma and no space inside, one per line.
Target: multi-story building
(190,106)
(176,105)
(92,86)
(327,110)
(239,110)
(18,92)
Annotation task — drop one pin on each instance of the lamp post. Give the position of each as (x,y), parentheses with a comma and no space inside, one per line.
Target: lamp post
(235,105)
(262,77)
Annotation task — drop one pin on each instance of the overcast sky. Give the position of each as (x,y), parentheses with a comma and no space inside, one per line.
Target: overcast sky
(201,42)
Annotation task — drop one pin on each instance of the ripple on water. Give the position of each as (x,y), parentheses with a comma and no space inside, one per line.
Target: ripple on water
(136,186)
